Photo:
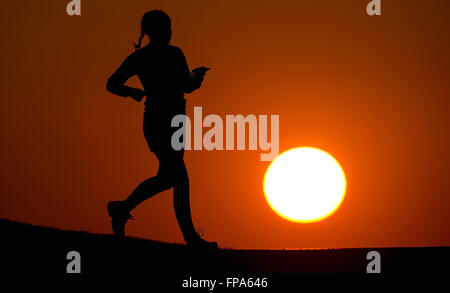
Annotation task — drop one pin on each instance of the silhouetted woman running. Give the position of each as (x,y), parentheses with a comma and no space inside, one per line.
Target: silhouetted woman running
(165,76)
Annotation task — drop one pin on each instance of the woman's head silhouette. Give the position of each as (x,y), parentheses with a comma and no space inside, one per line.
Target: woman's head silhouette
(156,24)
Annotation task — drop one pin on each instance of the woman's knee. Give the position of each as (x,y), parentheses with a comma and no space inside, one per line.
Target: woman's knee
(165,181)
(169,179)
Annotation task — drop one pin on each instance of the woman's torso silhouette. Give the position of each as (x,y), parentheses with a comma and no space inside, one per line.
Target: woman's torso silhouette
(165,76)
(163,73)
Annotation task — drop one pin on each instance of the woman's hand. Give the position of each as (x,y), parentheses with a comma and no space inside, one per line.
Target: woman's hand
(137,94)
(199,72)
(196,79)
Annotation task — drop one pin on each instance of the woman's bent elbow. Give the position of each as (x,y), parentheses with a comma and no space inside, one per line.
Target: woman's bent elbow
(110,86)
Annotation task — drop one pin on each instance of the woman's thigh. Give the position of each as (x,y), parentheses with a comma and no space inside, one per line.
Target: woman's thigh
(158,133)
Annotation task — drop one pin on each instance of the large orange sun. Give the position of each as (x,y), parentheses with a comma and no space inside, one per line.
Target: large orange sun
(304,184)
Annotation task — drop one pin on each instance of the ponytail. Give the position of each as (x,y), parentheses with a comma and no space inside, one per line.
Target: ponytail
(139,44)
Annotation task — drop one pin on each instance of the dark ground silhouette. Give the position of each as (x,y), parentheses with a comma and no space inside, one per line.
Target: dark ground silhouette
(33,251)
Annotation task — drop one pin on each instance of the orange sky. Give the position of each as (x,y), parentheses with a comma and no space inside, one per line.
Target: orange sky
(371,91)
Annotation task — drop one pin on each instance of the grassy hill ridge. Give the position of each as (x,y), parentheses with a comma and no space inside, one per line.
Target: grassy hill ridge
(30,250)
